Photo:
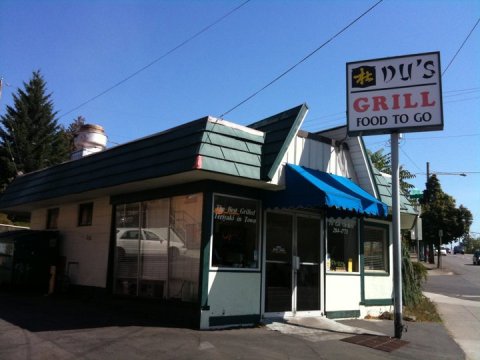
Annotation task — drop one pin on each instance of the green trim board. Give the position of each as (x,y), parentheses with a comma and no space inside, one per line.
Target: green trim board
(250,319)
(363,273)
(342,314)
(279,129)
(205,253)
(379,273)
(377,302)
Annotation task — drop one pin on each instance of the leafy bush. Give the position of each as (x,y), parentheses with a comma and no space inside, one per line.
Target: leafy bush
(414,275)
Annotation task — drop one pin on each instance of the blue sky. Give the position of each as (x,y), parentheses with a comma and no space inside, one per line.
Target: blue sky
(85,47)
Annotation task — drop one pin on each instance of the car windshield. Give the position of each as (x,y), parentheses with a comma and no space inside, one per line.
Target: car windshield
(150,235)
(130,234)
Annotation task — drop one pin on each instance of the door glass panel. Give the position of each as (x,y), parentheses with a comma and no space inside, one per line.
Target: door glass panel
(279,287)
(279,230)
(308,275)
(308,290)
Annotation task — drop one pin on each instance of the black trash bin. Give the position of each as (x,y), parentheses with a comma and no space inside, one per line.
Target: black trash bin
(27,258)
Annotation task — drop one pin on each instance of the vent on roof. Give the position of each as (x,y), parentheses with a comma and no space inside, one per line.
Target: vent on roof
(90,139)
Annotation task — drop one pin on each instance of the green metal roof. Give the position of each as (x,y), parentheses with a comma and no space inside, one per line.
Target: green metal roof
(207,144)
(384,186)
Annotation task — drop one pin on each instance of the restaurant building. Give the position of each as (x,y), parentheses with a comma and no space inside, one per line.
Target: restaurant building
(232,223)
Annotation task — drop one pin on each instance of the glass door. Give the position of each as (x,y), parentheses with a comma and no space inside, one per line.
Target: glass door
(308,273)
(278,263)
(292,263)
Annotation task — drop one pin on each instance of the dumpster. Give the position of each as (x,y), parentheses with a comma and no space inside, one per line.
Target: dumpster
(28,259)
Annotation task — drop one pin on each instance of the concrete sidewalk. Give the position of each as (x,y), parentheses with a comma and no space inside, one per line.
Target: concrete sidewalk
(460,316)
(49,328)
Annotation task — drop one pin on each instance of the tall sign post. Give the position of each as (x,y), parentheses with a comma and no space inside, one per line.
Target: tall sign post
(392,96)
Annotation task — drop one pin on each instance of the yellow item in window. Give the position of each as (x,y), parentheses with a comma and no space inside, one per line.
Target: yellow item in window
(350,265)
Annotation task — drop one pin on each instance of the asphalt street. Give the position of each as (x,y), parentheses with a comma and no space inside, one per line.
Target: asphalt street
(455,289)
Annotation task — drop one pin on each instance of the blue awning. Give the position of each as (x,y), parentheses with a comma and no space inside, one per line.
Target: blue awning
(313,188)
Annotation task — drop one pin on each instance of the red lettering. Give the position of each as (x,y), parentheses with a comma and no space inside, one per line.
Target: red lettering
(408,102)
(425,102)
(393,102)
(379,103)
(396,101)
(361,108)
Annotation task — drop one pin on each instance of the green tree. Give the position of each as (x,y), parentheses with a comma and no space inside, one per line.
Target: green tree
(471,244)
(30,136)
(72,130)
(439,212)
(383,163)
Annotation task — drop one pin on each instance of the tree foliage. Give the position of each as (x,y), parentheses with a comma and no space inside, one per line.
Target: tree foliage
(72,130)
(383,163)
(30,136)
(439,212)
(414,274)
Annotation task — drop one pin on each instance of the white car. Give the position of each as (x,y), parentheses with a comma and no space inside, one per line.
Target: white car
(153,241)
(443,251)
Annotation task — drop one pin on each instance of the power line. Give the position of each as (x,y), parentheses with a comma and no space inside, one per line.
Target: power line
(459,90)
(183,43)
(411,160)
(460,48)
(299,62)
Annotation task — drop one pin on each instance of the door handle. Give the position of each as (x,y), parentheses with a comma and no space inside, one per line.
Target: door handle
(296,263)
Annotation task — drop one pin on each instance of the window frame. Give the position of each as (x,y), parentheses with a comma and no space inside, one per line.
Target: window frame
(328,270)
(52,218)
(257,235)
(386,250)
(85,214)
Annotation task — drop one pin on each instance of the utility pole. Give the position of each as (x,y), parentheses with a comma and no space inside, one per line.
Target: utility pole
(397,245)
(426,248)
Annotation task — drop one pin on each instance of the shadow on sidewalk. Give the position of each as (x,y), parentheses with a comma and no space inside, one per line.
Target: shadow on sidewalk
(48,313)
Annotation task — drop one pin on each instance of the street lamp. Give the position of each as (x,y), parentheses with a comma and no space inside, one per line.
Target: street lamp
(443,172)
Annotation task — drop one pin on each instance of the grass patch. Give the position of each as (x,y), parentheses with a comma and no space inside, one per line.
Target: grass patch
(424,310)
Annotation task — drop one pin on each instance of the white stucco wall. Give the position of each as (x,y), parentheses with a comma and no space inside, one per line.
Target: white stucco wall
(342,292)
(232,294)
(317,155)
(378,287)
(85,245)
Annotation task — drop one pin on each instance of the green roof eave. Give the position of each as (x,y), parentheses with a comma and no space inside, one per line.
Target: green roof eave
(280,130)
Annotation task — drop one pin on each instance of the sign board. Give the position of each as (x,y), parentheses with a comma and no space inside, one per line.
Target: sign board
(415,194)
(397,94)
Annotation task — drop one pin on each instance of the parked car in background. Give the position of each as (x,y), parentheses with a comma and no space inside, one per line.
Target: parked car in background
(459,250)
(149,242)
(476,257)
(443,251)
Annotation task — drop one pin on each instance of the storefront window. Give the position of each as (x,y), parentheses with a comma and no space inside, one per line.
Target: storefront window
(158,248)
(375,247)
(235,232)
(52,218)
(342,245)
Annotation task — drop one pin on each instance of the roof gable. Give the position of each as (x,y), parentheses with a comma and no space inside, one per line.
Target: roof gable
(279,129)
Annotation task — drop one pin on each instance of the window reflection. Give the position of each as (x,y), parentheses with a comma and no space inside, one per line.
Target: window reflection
(342,245)
(235,232)
(158,248)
